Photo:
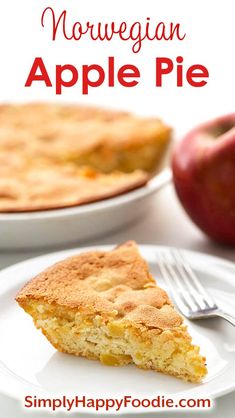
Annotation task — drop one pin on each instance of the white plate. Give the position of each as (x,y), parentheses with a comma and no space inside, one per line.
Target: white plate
(30,365)
(73,225)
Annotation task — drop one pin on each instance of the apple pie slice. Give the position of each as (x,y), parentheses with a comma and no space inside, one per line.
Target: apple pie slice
(106,306)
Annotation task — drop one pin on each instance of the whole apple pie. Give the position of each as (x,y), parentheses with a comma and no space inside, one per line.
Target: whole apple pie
(106,306)
(54,156)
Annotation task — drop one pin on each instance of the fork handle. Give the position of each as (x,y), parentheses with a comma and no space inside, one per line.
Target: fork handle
(227,317)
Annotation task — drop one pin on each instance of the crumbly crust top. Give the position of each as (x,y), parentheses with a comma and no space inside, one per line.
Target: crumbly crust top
(43,147)
(54,130)
(114,284)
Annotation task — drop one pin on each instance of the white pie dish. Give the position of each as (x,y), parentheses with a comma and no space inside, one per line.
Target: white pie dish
(80,223)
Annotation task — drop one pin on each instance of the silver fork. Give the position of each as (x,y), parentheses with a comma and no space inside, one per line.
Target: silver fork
(188,293)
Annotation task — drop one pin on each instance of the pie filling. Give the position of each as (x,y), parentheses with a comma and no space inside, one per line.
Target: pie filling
(116,342)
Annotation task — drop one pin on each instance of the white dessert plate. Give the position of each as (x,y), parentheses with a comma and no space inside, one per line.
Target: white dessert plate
(80,223)
(30,365)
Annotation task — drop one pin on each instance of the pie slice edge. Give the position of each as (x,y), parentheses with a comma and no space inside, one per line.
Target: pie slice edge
(106,306)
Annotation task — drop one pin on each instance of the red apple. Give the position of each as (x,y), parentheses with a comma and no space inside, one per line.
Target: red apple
(204,176)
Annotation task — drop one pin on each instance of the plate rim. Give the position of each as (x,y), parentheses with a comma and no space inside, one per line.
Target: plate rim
(7,282)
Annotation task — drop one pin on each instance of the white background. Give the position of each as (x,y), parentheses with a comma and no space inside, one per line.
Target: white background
(210,30)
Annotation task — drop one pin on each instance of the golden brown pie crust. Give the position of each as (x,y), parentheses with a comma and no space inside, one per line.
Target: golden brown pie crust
(46,148)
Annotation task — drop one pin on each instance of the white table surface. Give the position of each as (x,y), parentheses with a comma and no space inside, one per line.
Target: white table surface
(167,224)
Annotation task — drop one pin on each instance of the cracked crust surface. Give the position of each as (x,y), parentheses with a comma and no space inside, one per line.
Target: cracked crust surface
(45,149)
(53,129)
(115,284)
(50,187)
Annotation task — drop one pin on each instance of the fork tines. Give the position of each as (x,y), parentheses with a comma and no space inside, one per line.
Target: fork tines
(186,289)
